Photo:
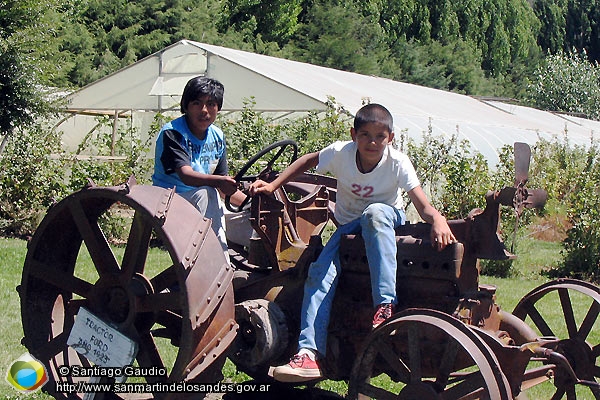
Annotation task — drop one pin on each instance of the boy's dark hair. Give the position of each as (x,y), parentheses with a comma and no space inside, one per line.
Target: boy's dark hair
(201,86)
(374,113)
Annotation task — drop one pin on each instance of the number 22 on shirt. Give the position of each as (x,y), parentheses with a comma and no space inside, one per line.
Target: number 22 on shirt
(362,191)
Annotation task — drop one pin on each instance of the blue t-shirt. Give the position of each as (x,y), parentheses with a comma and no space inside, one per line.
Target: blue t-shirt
(176,146)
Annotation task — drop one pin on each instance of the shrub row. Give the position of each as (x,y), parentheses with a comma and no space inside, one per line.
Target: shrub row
(36,173)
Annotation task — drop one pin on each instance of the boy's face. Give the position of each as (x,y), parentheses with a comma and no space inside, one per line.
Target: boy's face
(371,140)
(200,114)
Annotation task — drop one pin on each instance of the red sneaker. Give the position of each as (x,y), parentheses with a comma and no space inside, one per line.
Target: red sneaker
(300,369)
(383,312)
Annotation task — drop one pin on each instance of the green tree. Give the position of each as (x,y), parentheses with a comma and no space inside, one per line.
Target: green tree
(24,30)
(400,19)
(502,31)
(353,43)
(455,66)
(275,21)
(103,36)
(445,25)
(107,35)
(568,25)
(551,14)
(582,27)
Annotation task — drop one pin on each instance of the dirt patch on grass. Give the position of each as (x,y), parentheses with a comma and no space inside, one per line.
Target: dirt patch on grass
(552,228)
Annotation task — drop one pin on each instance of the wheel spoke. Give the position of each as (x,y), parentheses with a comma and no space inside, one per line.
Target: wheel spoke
(136,251)
(148,355)
(168,319)
(558,394)
(95,241)
(567,308)
(414,353)
(66,282)
(57,344)
(447,362)
(596,392)
(475,395)
(362,374)
(589,320)
(390,356)
(472,384)
(163,301)
(538,320)
(171,323)
(82,360)
(165,279)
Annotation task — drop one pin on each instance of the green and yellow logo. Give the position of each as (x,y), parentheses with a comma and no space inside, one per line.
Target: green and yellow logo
(27,374)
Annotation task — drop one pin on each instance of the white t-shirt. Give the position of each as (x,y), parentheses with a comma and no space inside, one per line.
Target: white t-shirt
(355,190)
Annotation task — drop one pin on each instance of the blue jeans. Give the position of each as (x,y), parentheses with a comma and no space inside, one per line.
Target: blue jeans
(376,224)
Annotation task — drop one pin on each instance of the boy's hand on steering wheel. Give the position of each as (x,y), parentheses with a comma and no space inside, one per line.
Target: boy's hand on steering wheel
(228,185)
(260,187)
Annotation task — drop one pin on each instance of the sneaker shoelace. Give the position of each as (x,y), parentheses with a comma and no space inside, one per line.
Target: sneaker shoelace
(385,311)
(298,359)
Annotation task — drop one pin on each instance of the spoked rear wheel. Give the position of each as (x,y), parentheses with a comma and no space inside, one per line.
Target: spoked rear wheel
(432,355)
(178,307)
(569,310)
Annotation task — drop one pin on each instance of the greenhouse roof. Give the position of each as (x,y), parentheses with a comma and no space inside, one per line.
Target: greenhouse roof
(283,88)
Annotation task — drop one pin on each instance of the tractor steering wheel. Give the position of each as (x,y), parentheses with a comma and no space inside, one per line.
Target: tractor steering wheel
(241,177)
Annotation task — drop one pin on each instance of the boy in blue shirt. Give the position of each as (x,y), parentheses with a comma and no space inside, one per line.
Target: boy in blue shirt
(191,154)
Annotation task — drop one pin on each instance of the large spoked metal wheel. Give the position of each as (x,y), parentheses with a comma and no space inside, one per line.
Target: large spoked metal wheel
(568,310)
(432,356)
(175,302)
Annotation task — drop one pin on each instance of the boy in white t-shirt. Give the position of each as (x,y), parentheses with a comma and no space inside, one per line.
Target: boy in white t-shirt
(370,175)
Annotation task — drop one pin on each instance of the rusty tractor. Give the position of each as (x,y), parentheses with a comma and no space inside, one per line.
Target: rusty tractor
(184,312)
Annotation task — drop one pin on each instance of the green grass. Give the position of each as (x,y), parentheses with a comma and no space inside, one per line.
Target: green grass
(510,290)
(535,256)
(12,253)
